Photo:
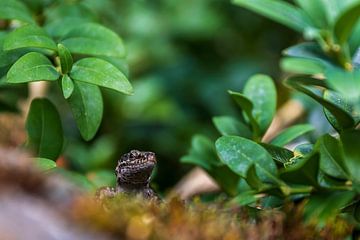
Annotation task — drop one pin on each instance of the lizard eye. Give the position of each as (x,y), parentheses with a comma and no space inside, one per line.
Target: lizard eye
(134,153)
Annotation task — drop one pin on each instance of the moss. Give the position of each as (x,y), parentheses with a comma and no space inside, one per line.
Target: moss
(133,218)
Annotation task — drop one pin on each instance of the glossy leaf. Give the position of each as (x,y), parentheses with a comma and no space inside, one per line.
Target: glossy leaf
(279,11)
(331,158)
(28,36)
(291,133)
(342,103)
(102,73)
(316,11)
(65,10)
(66,60)
(14,9)
(67,86)
(342,117)
(334,8)
(322,206)
(94,39)
(262,92)
(87,108)
(247,107)
(253,180)
(310,51)
(346,82)
(8,57)
(350,140)
(240,153)
(301,65)
(345,22)
(303,172)
(202,153)
(32,67)
(62,26)
(246,198)
(44,164)
(356,212)
(120,63)
(303,149)
(227,125)
(226,178)
(278,154)
(353,43)
(331,183)
(43,126)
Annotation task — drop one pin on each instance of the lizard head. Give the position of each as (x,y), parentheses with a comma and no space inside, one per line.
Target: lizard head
(135,168)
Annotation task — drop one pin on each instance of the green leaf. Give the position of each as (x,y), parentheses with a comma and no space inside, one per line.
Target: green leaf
(246,106)
(8,57)
(303,149)
(44,164)
(342,117)
(316,11)
(330,183)
(43,125)
(67,86)
(350,140)
(309,51)
(66,60)
(28,36)
(32,67)
(13,9)
(322,206)
(331,158)
(341,102)
(353,43)
(301,65)
(202,153)
(356,212)
(345,22)
(334,8)
(63,25)
(94,39)
(253,180)
(70,10)
(102,73)
(87,108)
(303,172)
(291,133)
(262,92)
(279,11)
(344,81)
(227,125)
(120,63)
(227,179)
(246,198)
(278,154)
(240,153)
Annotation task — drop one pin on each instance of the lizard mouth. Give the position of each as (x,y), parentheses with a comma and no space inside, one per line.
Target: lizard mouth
(151,158)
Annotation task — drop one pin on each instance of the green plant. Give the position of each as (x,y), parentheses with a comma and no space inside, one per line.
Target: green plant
(325,173)
(60,43)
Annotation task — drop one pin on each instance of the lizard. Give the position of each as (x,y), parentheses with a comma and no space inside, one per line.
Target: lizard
(133,175)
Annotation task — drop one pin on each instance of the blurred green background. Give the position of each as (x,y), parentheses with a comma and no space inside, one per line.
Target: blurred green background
(182,57)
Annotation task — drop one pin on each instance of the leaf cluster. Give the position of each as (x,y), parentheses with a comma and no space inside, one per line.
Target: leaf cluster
(325,68)
(65,45)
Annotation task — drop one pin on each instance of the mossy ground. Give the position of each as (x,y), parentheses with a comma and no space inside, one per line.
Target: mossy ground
(133,218)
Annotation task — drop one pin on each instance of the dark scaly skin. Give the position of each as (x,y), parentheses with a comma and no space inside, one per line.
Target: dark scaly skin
(133,173)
